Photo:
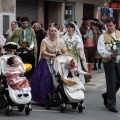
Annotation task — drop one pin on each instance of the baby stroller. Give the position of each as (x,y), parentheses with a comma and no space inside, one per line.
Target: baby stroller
(11,96)
(63,91)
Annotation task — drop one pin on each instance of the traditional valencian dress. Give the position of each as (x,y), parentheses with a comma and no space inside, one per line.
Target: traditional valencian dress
(73,44)
(42,81)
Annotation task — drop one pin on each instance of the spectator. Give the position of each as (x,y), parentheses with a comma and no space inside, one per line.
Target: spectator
(25,37)
(40,35)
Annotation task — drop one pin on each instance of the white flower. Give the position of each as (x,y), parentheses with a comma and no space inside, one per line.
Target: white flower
(108,48)
(107,45)
(110,45)
(114,43)
(114,47)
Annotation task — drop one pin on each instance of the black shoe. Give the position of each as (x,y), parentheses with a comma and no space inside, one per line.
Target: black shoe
(90,76)
(19,95)
(87,79)
(105,101)
(95,68)
(113,110)
(99,67)
(26,94)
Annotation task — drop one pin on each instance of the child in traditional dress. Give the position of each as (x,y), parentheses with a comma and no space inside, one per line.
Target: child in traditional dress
(72,72)
(15,77)
(71,77)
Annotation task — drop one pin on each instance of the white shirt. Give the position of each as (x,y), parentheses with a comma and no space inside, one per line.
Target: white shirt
(101,46)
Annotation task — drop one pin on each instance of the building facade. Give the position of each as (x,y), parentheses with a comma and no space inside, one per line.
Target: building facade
(49,11)
(7,14)
(58,11)
(115,4)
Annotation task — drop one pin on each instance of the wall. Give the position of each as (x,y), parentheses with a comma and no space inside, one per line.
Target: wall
(79,8)
(7,8)
(40,12)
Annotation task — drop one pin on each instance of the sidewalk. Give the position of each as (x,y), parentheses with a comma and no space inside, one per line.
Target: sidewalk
(98,79)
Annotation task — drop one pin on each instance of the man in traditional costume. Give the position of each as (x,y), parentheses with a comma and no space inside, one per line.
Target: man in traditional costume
(25,37)
(90,36)
(112,69)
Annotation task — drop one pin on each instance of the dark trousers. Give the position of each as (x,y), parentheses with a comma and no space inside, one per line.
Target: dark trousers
(112,74)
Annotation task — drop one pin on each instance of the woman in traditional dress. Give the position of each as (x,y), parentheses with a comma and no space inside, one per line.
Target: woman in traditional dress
(42,78)
(10,32)
(61,31)
(74,45)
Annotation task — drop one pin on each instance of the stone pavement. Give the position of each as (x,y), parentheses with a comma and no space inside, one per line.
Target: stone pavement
(94,108)
(98,79)
(94,90)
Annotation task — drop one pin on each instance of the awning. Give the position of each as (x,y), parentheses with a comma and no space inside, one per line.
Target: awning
(56,0)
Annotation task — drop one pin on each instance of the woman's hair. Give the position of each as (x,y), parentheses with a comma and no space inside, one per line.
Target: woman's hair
(36,24)
(53,25)
(70,25)
(10,60)
(14,22)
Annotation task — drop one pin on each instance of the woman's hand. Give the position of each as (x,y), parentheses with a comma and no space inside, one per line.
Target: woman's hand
(87,74)
(52,55)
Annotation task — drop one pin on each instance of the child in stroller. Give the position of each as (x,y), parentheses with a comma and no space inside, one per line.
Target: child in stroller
(72,88)
(15,87)
(15,77)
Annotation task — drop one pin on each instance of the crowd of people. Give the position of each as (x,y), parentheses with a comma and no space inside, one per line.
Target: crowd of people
(86,45)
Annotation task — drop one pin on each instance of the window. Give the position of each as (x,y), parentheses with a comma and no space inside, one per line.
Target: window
(5,23)
(69,13)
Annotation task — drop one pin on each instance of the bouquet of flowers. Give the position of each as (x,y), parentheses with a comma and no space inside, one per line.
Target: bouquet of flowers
(114,47)
(111,46)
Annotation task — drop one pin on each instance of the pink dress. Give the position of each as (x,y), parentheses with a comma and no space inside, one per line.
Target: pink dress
(15,80)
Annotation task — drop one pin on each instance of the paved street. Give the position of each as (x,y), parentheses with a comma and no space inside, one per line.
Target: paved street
(94,110)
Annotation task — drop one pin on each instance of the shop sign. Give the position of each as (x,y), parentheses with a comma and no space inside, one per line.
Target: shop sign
(114,5)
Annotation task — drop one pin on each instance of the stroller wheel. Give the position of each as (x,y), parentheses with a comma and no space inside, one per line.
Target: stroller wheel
(27,111)
(8,111)
(74,105)
(20,107)
(62,108)
(48,101)
(80,108)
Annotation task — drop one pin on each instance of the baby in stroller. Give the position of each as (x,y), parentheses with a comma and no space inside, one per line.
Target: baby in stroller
(15,77)
(71,71)
(73,88)
(16,88)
